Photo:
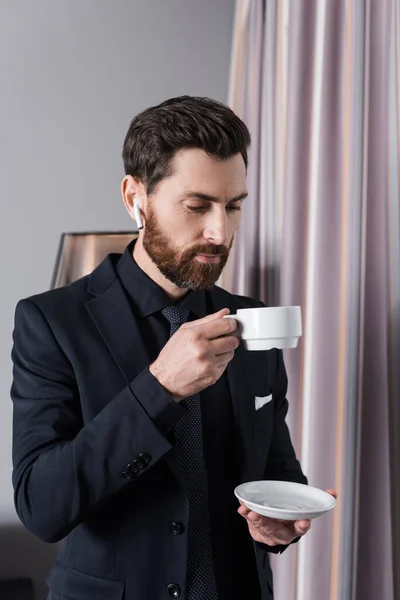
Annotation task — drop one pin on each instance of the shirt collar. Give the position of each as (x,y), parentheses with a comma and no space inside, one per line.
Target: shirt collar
(147,296)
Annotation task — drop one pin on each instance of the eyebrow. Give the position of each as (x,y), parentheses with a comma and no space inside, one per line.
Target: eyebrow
(207,197)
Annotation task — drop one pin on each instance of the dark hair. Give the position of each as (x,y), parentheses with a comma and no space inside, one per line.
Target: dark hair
(157,133)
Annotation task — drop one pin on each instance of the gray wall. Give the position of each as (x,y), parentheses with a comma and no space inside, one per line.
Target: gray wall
(73,74)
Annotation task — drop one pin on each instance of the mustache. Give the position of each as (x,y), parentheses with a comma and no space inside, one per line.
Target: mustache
(210,249)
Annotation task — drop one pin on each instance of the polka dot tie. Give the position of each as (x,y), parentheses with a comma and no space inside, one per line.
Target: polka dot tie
(200,578)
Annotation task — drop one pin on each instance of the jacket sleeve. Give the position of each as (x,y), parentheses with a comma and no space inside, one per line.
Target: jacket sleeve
(63,468)
(282,463)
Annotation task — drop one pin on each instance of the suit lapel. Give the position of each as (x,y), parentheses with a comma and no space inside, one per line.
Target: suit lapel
(116,322)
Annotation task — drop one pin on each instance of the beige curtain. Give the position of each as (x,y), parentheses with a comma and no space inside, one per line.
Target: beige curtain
(317,82)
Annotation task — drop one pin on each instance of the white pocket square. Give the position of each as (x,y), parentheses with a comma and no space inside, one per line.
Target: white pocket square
(261,400)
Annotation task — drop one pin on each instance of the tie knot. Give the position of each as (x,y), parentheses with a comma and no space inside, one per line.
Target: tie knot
(176,315)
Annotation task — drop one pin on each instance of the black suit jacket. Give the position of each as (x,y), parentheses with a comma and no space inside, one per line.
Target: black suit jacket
(93,466)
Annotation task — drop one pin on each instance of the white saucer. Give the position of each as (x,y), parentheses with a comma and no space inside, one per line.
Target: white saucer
(284,499)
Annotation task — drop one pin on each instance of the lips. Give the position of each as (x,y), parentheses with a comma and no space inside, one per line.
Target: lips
(209,258)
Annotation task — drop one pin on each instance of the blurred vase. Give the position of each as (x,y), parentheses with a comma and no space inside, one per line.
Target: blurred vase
(80,253)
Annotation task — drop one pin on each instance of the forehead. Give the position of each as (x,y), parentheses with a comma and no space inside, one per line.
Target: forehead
(193,168)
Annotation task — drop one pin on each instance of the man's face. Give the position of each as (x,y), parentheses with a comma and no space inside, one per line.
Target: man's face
(192,217)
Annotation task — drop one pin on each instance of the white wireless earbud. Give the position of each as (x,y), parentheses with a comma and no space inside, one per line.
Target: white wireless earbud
(136,212)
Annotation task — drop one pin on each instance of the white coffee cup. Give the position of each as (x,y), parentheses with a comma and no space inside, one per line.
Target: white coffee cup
(269,327)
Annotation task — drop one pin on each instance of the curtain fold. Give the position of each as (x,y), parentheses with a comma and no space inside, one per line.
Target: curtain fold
(317,82)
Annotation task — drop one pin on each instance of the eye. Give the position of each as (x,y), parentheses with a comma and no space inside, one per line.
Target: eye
(232,207)
(196,209)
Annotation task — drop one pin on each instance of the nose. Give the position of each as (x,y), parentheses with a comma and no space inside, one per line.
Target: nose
(216,230)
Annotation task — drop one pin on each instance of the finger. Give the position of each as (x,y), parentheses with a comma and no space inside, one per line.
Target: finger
(301,527)
(224,344)
(243,511)
(267,524)
(218,327)
(254,518)
(331,492)
(210,318)
(221,361)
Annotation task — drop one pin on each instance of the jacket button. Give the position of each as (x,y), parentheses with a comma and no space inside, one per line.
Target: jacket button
(143,459)
(174,590)
(176,528)
(141,463)
(146,457)
(132,469)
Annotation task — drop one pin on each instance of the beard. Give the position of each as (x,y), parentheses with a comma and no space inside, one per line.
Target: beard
(182,269)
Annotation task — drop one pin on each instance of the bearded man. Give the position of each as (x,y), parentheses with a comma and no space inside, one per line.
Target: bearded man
(134,399)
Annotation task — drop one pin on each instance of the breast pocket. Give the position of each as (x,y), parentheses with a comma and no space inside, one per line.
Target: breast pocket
(263,398)
(260,401)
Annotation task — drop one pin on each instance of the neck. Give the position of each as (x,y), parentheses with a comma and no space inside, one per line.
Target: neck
(146,264)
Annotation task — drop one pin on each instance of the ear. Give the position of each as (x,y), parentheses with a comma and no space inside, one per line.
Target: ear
(132,191)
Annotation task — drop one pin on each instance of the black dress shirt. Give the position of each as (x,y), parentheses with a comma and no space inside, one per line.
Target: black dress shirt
(233,552)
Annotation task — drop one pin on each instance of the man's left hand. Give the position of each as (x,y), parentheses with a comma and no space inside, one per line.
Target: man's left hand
(274,532)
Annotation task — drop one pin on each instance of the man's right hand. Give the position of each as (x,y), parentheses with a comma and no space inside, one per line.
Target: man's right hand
(196,355)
